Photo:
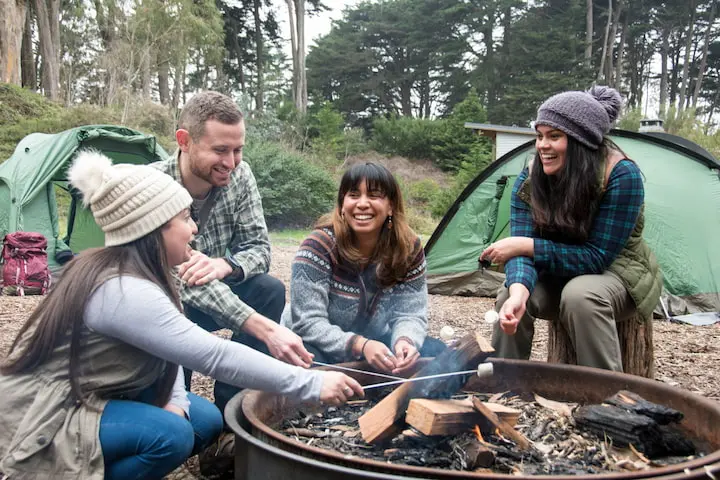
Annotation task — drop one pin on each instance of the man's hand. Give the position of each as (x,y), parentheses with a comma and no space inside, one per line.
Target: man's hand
(201,269)
(407,355)
(283,343)
(379,356)
(503,250)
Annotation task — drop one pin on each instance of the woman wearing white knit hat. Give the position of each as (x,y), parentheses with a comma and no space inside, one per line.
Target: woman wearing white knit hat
(91,386)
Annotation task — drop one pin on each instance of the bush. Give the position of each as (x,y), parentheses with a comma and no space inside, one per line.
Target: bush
(404,136)
(17,103)
(631,120)
(295,193)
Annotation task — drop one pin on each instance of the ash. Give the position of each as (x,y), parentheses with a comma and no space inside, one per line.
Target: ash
(559,447)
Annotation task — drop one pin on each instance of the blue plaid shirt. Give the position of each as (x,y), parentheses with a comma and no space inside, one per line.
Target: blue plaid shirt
(614,222)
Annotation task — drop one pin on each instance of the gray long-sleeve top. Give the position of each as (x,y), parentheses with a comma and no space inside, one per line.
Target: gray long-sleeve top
(138,312)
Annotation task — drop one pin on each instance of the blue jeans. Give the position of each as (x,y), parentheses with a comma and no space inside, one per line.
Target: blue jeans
(142,441)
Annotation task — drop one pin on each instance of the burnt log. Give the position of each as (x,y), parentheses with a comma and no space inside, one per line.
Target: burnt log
(478,456)
(386,419)
(624,428)
(633,402)
(636,345)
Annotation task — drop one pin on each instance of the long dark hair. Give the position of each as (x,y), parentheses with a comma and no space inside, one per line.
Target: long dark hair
(61,314)
(564,205)
(395,249)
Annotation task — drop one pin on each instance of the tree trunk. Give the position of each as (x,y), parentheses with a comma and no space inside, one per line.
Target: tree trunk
(146,73)
(47,15)
(621,53)
(636,345)
(609,68)
(105,19)
(588,32)
(294,51)
(238,56)
(12,25)
(601,70)
(27,59)
(163,81)
(302,73)
(179,83)
(703,61)
(664,50)
(686,62)
(259,92)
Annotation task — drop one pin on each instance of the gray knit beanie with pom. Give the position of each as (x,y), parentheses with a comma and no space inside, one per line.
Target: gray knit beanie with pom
(585,116)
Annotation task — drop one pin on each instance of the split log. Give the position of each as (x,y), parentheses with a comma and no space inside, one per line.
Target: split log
(505,429)
(635,403)
(451,417)
(625,428)
(386,419)
(636,345)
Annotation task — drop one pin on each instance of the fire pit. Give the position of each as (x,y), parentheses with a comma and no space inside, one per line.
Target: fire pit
(264,453)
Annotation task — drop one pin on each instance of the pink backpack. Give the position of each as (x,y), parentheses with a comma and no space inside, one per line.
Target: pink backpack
(25,263)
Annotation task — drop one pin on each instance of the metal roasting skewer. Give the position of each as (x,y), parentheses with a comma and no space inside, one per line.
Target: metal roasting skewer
(348,369)
(483,370)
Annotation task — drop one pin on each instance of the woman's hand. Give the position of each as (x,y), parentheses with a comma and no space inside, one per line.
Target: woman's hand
(503,250)
(406,354)
(175,409)
(379,356)
(337,388)
(514,308)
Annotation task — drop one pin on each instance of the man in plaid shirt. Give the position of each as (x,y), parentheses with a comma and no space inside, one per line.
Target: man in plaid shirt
(225,282)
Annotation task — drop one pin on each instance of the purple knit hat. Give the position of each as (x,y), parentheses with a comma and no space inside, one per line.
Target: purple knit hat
(585,116)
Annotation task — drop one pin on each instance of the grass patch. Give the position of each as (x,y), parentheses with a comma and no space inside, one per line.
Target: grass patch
(288,236)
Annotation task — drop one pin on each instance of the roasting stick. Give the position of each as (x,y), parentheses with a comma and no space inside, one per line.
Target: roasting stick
(348,369)
(483,370)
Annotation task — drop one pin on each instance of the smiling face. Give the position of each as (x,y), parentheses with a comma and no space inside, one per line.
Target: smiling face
(551,145)
(214,156)
(177,234)
(366,210)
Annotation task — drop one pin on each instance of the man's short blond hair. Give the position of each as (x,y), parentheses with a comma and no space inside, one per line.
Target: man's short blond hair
(206,106)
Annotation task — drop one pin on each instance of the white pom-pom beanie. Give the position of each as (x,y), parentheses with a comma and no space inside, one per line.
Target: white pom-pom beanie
(127,201)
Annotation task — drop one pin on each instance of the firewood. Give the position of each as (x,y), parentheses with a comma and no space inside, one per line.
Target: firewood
(450,417)
(385,419)
(625,428)
(505,429)
(478,456)
(635,403)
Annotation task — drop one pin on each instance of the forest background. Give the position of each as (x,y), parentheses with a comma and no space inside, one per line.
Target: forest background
(393,80)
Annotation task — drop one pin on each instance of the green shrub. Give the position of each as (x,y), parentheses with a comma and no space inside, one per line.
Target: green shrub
(295,192)
(631,120)
(422,192)
(404,136)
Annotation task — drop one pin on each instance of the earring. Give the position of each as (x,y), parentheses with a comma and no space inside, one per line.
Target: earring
(389,222)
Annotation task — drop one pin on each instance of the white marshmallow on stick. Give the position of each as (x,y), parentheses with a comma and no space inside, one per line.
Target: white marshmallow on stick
(446,333)
(491,317)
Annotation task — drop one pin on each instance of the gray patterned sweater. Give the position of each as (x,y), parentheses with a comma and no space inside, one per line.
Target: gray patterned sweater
(326,293)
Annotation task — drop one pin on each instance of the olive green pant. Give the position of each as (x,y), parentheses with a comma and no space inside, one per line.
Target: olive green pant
(587,307)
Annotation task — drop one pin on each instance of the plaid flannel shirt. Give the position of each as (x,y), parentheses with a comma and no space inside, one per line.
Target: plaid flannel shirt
(236,224)
(614,222)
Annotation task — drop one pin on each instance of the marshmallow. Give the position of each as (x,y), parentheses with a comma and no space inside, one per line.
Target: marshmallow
(446,333)
(491,316)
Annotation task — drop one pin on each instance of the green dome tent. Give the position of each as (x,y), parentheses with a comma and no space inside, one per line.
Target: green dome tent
(40,162)
(682,222)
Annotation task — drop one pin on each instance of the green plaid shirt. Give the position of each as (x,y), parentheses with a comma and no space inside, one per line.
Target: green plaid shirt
(236,224)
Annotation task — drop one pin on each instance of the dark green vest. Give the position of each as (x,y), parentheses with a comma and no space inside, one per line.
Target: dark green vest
(635,265)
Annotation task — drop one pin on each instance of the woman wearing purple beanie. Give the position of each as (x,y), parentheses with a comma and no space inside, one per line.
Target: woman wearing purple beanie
(576,253)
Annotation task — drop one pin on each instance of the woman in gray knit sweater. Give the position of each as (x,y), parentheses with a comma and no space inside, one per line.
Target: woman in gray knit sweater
(358,287)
